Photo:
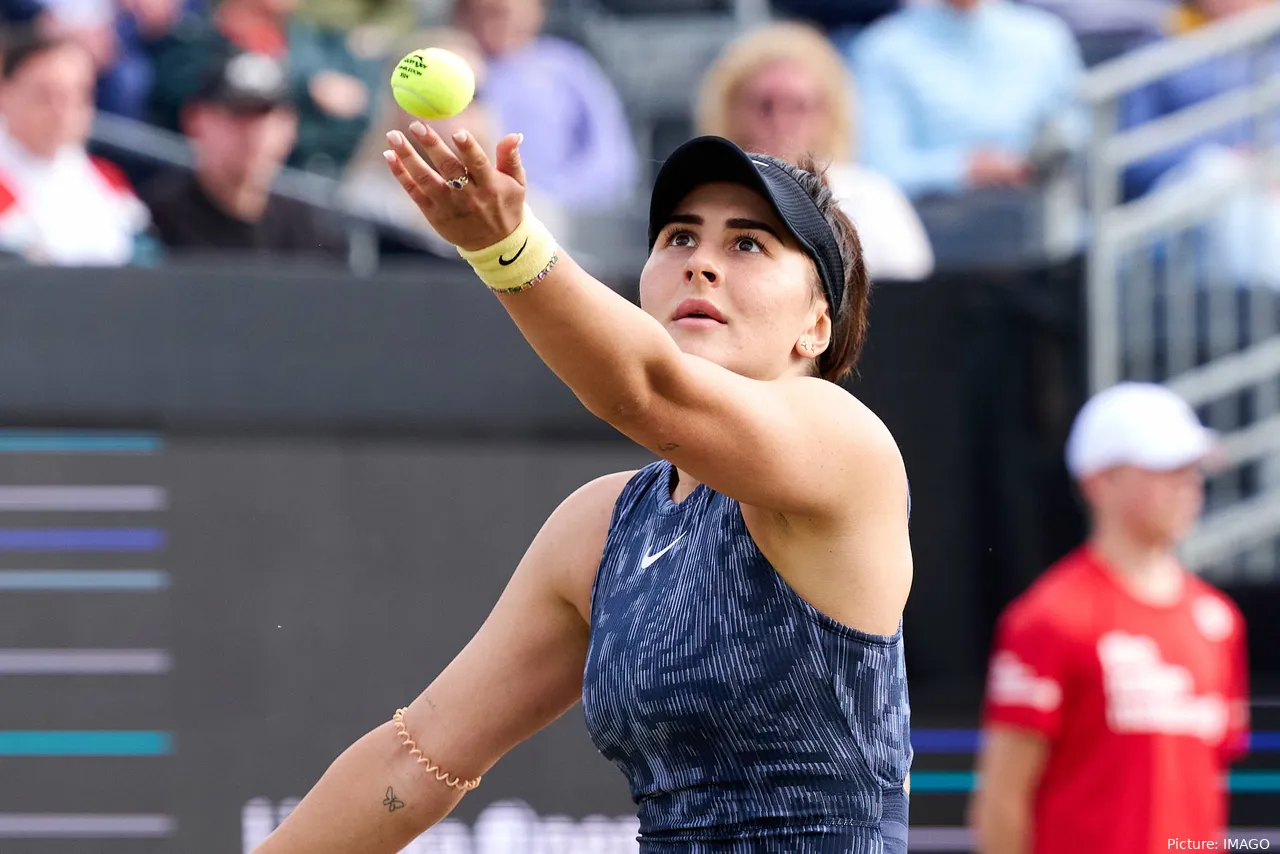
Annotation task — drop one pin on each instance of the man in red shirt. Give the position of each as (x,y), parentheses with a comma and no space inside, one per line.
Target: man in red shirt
(1117,693)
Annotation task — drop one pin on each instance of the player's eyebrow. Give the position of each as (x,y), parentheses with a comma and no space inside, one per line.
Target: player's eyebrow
(753,225)
(684,219)
(742,223)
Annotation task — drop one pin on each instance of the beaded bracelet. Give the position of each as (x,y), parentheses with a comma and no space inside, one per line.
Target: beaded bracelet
(519,261)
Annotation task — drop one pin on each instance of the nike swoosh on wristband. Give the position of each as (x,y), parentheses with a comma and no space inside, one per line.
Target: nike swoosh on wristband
(648,560)
(506,263)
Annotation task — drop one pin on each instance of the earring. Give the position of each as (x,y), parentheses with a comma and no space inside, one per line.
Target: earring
(808,346)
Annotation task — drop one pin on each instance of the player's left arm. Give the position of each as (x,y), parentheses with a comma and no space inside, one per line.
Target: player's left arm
(800,446)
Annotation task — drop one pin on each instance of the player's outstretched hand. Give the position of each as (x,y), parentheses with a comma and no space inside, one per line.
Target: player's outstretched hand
(470,201)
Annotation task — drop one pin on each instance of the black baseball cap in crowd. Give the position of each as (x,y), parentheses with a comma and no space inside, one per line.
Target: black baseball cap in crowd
(245,82)
(710,159)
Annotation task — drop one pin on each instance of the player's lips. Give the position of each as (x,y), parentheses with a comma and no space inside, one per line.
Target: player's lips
(698,312)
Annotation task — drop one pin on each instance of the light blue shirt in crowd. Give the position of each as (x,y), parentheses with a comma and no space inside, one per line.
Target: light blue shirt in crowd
(578,148)
(937,84)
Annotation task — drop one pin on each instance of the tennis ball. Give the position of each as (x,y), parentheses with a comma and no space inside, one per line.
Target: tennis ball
(433,83)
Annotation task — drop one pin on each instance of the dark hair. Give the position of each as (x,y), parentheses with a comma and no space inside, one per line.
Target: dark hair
(24,45)
(849,319)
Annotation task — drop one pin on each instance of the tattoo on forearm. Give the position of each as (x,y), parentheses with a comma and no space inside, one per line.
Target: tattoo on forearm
(391,802)
(667,447)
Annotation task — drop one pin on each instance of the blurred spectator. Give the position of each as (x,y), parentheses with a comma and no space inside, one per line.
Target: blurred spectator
(241,126)
(1189,87)
(15,13)
(389,19)
(124,86)
(58,205)
(1241,235)
(578,148)
(368,187)
(961,90)
(329,85)
(90,23)
(836,15)
(841,20)
(783,90)
(1098,16)
(1108,29)
(119,34)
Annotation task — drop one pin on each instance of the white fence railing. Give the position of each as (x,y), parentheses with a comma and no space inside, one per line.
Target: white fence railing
(1169,301)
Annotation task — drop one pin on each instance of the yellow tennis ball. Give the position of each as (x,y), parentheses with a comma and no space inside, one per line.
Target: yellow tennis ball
(433,83)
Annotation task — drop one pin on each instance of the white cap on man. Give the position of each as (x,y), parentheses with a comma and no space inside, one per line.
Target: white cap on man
(1137,424)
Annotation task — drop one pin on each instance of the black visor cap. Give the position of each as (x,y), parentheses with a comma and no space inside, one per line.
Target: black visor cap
(712,159)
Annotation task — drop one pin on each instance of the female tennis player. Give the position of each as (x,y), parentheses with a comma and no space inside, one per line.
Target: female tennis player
(730,615)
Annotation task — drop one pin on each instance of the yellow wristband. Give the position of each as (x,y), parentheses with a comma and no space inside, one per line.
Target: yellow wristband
(517,262)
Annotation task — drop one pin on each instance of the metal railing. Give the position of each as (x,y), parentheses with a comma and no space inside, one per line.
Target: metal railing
(608,243)
(164,149)
(1163,305)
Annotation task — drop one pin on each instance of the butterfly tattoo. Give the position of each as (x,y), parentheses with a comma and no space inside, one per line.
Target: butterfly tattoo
(391,802)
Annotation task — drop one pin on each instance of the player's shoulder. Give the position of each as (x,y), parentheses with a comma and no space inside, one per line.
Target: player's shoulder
(865,457)
(589,508)
(570,545)
(853,419)
(603,490)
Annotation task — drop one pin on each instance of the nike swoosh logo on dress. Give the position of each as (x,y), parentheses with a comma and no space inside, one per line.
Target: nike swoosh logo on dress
(648,560)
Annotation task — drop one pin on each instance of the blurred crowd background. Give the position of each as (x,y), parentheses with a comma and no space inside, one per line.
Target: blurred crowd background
(927,112)
(233,353)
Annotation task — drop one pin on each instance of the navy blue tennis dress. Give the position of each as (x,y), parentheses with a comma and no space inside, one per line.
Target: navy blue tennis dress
(745,720)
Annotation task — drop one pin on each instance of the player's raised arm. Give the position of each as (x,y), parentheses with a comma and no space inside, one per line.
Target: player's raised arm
(522,670)
(754,289)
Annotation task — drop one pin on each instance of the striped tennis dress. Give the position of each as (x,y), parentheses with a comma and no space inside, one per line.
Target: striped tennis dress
(744,719)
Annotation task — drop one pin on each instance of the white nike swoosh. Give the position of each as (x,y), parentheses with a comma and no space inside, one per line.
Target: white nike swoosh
(648,560)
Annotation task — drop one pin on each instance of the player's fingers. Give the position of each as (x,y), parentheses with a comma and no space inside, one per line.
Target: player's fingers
(420,198)
(473,158)
(414,166)
(441,155)
(508,154)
